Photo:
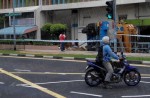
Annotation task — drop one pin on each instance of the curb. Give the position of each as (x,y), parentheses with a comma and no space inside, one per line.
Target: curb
(67,58)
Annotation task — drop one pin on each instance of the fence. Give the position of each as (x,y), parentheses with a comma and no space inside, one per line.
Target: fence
(125,43)
(133,43)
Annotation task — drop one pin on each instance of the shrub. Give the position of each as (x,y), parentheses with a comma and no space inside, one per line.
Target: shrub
(58,28)
(46,27)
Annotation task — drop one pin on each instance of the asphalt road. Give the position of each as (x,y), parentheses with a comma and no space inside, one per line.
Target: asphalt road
(49,78)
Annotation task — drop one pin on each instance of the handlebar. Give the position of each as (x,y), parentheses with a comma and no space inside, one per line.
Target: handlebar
(122,56)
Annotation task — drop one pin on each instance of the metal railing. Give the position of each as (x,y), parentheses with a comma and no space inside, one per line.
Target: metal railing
(128,43)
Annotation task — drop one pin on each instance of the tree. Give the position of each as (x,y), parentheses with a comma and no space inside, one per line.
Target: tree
(45,31)
(58,28)
(52,31)
(46,27)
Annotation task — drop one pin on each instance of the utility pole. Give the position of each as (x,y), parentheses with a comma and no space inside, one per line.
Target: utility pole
(14,28)
(115,25)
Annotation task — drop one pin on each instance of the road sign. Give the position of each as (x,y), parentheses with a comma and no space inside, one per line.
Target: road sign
(13,14)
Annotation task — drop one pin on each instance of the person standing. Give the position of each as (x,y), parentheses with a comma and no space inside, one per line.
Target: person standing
(62,37)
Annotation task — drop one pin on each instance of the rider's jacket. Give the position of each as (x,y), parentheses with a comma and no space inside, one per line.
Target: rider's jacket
(107,53)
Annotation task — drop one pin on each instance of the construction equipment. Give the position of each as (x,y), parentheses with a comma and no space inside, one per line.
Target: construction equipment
(123,35)
(106,28)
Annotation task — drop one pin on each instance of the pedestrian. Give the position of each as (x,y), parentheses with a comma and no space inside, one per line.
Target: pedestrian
(62,37)
(75,44)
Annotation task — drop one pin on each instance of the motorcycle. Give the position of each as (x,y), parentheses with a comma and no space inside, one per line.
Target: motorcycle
(95,73)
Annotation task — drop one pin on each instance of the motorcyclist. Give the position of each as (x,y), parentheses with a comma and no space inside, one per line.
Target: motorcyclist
(107,54)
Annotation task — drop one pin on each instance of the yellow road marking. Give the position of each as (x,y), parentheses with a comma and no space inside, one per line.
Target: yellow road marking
(32,84)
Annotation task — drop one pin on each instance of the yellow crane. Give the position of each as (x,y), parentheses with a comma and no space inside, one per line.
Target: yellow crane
(123,35)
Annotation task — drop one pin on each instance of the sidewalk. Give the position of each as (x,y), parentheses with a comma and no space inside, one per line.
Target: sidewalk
(80,52)
(37,53)
(59,52)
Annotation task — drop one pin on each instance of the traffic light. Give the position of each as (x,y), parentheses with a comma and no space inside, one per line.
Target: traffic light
(109,9)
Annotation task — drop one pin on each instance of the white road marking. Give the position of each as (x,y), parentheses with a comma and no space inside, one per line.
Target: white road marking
(55,73)
(26,85)
(86,94)
(2,83)
(140,65)
(145,77)
(22,70)
(144,82)
(136,96)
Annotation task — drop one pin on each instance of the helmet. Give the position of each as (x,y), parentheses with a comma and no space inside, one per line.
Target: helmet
(105,39)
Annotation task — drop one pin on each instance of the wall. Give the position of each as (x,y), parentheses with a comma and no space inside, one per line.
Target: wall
(64,17)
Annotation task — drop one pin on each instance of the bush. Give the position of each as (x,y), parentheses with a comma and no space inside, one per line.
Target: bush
(58,28)
(52,31)
(46,27)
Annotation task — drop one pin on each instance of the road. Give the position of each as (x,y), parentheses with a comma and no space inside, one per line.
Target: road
(48,78)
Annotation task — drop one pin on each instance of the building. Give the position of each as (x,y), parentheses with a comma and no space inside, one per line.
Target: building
(75,13)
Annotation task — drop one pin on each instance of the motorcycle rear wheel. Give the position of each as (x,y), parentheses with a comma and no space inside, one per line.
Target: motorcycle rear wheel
(132,78)
(92,78)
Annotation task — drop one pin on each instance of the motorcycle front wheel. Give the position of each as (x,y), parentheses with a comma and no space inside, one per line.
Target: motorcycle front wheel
(132,78)
(92,78)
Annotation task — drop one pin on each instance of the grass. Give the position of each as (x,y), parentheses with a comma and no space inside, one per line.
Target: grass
(71,55)
(9,52)
(139,58)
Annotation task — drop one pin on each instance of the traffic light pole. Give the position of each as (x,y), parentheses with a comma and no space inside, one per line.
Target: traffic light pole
(115,25)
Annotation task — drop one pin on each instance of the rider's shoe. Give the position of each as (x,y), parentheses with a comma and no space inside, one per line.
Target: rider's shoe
(106,85)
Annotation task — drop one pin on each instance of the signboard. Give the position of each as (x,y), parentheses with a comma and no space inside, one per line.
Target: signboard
(13,14)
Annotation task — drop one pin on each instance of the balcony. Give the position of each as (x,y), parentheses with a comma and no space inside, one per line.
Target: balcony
(70,4)
(53,2)
(7,4)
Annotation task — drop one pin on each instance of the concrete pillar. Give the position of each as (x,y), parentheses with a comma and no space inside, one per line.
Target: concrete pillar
(37,17)
(74,25)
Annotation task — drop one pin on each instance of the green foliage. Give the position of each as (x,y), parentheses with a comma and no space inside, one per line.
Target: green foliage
(58,28)
(2,19)
(46,27)
(52,31)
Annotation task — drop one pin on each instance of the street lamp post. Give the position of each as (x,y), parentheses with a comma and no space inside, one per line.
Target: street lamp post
(14,29)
